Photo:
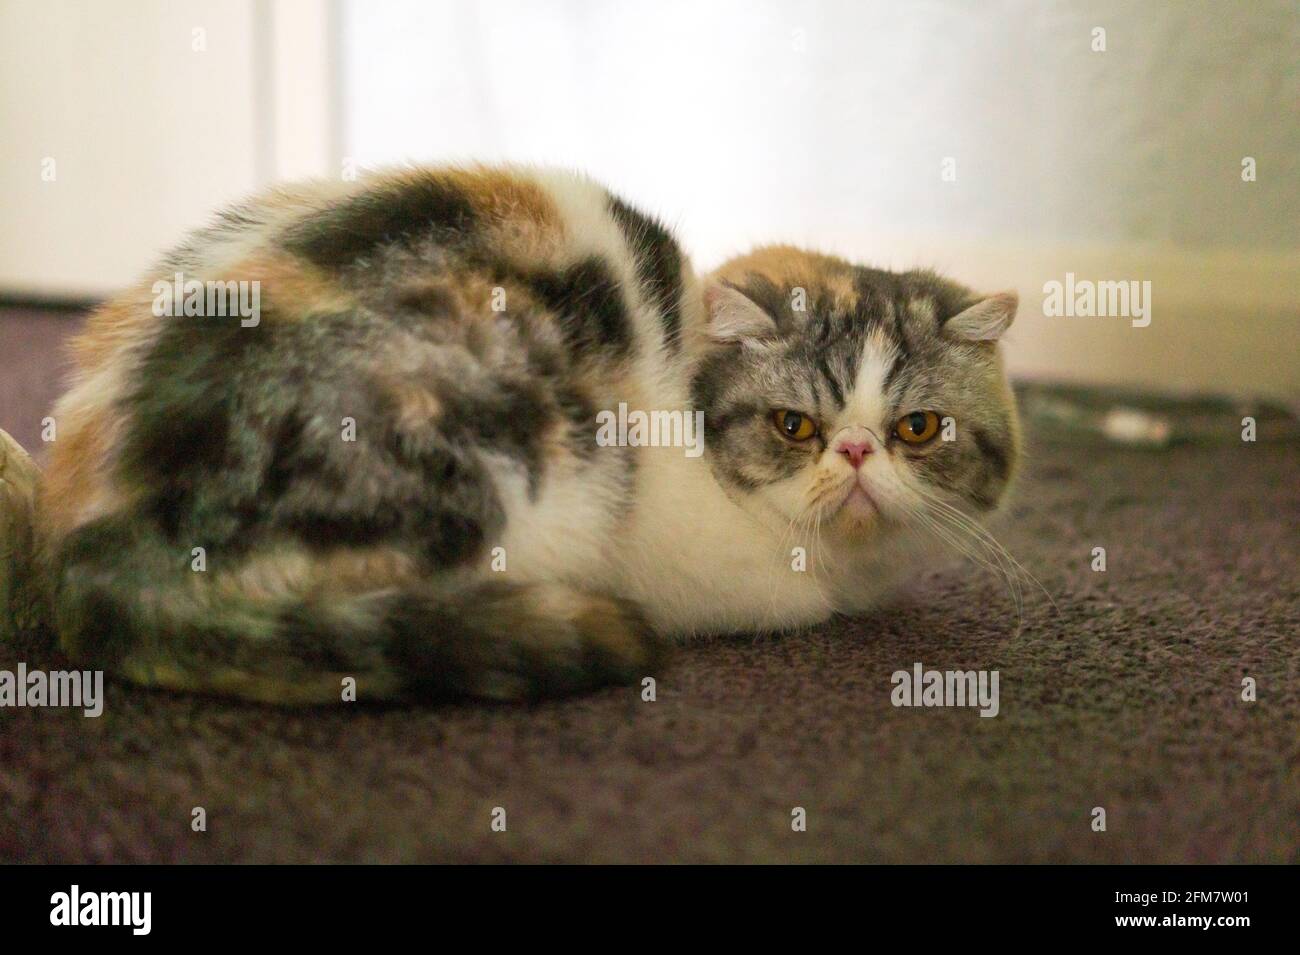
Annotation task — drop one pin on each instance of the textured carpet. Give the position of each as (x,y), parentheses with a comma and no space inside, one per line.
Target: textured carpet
(1128,698)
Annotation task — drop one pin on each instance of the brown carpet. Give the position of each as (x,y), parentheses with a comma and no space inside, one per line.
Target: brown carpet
(1129,698)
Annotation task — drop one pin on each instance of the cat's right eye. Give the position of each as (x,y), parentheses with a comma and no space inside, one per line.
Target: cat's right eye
(795,425)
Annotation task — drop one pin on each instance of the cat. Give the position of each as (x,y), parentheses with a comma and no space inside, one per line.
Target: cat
(391,472)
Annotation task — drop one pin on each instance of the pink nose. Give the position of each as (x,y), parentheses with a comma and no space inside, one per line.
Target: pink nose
(855,451)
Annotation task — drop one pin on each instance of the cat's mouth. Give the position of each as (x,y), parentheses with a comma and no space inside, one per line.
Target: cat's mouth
(851,504)
(857,502)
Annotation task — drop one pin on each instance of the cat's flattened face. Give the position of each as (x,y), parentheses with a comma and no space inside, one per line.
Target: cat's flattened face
(858,399)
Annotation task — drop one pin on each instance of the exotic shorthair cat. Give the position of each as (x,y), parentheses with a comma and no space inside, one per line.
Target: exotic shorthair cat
(392,470)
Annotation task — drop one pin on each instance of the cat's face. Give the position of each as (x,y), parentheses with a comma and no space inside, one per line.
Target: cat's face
(856,400)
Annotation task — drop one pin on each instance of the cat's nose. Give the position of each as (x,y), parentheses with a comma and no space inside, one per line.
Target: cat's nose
(855,444)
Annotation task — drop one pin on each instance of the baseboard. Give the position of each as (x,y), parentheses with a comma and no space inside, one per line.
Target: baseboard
(42,301)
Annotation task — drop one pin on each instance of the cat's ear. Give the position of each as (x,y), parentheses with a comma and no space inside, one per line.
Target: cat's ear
(986,320)
(734,317)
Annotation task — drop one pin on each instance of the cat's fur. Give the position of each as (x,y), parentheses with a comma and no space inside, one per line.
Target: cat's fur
(474,538)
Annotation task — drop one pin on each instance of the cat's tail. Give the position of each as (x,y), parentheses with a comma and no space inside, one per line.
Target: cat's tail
(288,627)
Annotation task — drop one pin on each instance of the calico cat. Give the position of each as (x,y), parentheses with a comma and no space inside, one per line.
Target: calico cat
(394,474)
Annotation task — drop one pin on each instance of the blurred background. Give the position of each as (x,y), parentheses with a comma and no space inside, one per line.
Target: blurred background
(1006,143)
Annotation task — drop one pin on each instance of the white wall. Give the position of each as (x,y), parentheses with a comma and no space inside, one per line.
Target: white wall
(155,112)
(146,134)
(829,120)
(827,123)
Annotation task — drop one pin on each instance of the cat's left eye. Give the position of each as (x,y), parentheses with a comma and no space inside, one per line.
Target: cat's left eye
(917,427)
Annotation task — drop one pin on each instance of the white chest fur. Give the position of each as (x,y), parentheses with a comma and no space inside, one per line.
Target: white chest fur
(698,562)
(694,560)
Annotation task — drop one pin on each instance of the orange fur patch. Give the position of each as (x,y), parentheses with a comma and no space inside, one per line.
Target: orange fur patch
(125,320)
(290,288)
(503,197)
(77,486)
(788,267)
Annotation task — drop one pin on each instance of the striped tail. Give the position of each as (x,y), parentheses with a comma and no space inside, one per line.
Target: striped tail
(276,631)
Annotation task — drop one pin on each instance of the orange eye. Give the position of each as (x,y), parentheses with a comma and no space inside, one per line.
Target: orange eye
(794,425)
(917,427)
